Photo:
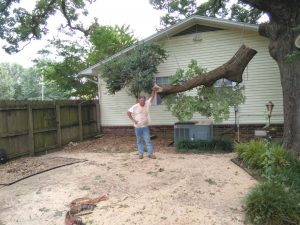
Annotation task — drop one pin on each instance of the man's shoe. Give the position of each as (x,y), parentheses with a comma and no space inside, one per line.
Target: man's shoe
(141,157)
(152,156)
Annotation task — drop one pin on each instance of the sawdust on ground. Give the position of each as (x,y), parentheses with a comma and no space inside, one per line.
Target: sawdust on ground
(175,189)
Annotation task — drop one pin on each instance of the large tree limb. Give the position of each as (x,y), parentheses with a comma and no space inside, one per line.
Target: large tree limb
(231,70)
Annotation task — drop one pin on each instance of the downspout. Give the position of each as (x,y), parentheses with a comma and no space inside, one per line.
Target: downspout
(99,104)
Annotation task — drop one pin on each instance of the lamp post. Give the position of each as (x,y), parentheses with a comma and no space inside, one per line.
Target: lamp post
(236,127)
(270,107)
(236,109)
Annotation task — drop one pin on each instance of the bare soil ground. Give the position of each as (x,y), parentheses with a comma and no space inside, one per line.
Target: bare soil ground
(175,189)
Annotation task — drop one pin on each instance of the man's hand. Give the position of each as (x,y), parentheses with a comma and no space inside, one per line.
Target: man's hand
(130,117)
(156,88)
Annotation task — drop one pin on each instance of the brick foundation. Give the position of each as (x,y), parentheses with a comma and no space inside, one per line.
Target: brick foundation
(162,131)
(246,131)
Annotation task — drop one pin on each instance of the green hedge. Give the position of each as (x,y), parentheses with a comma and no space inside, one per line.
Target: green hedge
(277,200)
(216,145)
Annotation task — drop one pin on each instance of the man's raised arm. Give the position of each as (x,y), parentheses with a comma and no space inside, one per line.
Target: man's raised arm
(153,93)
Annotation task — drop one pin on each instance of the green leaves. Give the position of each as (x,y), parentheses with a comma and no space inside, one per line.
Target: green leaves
(18,26)
(180,9)
(213,102)
(7,82)
(72,57)
(20,83)
(135,71)
(107,40)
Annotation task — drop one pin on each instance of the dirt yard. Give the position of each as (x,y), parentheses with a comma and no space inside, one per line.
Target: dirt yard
(174,189)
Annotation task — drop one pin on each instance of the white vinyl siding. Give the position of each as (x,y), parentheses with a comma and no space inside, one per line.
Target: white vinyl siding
(261,78)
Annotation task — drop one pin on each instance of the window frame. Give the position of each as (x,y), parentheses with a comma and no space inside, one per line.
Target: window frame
(166,80)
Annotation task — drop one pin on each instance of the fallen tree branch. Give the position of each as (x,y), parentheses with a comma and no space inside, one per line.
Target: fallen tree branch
(231,70)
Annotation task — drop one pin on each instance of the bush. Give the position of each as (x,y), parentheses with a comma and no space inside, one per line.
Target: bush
(260,155)
(216,145)
(252,153)
(275,162)
(291,174)
(272,204)
(277,201)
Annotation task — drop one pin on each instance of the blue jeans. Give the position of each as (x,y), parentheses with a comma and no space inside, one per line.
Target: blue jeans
(143,133)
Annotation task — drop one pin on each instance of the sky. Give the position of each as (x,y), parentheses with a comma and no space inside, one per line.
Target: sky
(139,14)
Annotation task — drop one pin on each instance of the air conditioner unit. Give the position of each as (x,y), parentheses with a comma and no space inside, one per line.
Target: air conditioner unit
(193,130)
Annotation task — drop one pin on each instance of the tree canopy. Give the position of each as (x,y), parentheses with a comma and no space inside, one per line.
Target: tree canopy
(20,83)
(180,9)
(73,56)
(214,101)
(135,71)
(19,26)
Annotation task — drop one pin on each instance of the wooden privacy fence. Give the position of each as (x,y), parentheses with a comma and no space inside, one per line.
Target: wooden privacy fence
(30,127)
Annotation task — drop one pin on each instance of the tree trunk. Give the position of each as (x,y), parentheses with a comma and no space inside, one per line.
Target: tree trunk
(232,70)
(282,43)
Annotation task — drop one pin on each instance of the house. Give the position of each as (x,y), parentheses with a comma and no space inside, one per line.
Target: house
(212,42)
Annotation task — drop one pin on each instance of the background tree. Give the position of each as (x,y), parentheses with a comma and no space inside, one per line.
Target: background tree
(63,69)
(108,40)
(72,57)
(135,71)
(284,17)
(7,83)
(177,10)
(20,83)
(19,26)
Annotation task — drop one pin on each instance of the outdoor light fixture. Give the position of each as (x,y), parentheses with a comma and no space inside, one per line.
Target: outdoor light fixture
(236,108)
(270,107)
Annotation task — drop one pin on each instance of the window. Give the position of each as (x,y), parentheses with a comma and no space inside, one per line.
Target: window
(224,82)
(160,81)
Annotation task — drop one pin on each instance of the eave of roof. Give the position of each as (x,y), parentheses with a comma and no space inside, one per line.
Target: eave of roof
(169,31)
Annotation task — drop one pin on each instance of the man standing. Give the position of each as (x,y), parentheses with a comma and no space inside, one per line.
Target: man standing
(139,114)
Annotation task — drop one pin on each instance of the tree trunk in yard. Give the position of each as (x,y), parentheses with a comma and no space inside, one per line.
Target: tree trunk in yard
(284,16)
(281,44)
(232,70)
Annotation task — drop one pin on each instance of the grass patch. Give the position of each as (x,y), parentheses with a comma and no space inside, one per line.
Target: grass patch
(44,209)
(58,213)
(85,188)
(211,181)
(161,170)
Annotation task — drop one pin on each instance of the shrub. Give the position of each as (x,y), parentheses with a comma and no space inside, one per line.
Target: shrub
(262,155)
(291,174)
(252,153)
(272,204)
(215,145)
(275,162)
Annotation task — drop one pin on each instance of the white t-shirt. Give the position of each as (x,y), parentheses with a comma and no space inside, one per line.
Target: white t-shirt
(141,114)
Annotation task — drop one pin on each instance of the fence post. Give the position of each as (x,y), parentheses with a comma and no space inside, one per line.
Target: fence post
(98,118)
(58,125)
(80,122)
(30,131)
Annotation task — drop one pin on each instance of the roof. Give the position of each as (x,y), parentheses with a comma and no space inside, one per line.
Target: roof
(174,29)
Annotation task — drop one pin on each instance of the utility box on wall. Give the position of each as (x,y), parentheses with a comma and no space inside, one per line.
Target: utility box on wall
(193,130)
